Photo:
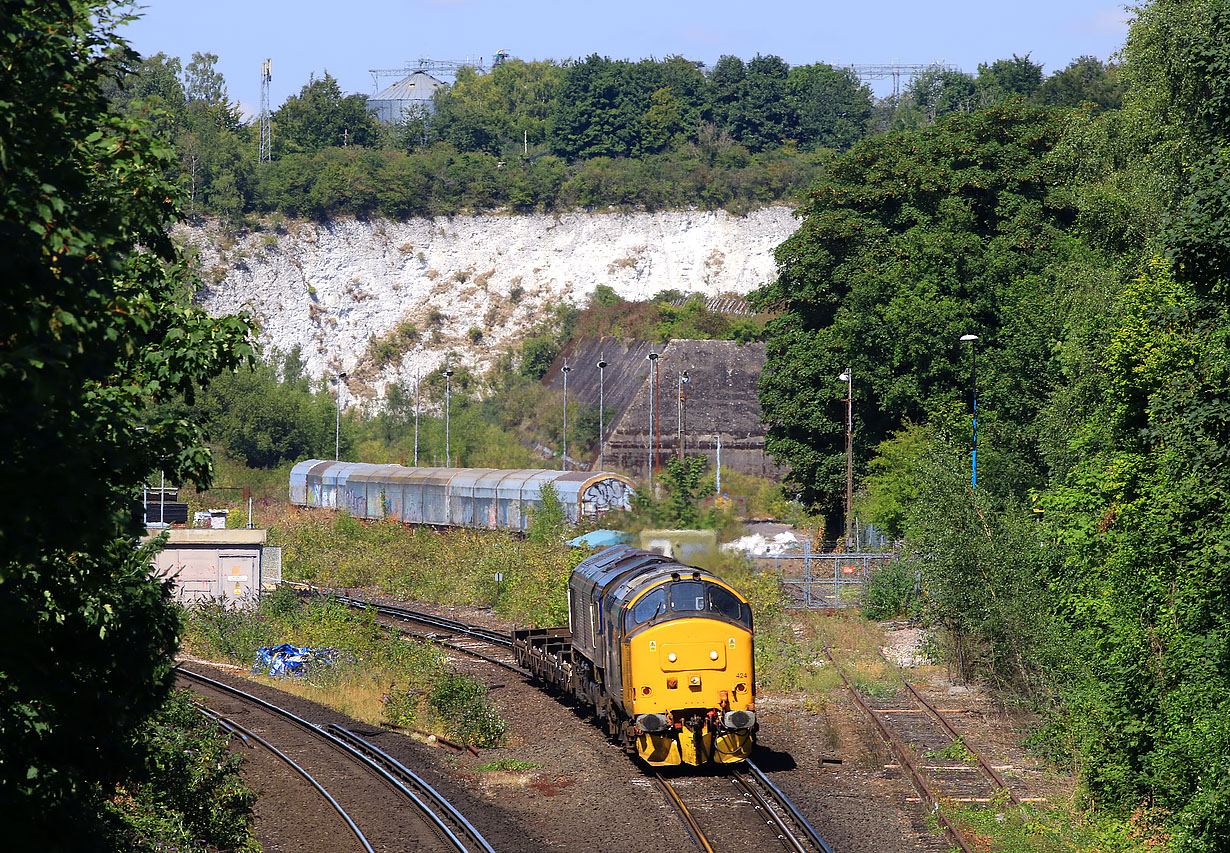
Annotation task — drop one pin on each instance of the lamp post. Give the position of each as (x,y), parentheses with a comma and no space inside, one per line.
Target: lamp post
(601,424)
(337,421)
(564,456)
(653,364)
(418,379)
(683,380)
(448,374)
(972,340)
(848,378)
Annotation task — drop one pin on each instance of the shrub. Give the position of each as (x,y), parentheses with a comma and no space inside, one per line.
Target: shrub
(891,591)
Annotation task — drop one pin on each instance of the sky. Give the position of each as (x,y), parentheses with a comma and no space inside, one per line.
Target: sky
(349,38)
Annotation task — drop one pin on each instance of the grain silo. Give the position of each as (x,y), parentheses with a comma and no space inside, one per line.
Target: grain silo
(415,91)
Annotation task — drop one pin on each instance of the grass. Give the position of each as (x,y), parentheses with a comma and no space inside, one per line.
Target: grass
(376,677)
(450,567)
(506,765)
(1063,828)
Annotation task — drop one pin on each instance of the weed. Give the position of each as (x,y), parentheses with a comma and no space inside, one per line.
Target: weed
(374,676)
(955,751)
(891,591)
(506,765)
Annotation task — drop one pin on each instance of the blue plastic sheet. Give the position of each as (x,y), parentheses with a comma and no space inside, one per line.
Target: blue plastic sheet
(600,539)
(287,661)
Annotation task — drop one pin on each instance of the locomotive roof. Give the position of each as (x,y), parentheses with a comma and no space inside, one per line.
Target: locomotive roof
(633,564)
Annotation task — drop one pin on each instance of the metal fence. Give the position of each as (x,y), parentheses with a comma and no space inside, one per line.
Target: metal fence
(823,580)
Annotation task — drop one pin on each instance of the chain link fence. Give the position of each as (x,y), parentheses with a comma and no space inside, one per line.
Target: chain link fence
(819,581)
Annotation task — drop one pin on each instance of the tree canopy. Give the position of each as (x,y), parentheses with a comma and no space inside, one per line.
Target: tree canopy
(1087,248)
(99,343)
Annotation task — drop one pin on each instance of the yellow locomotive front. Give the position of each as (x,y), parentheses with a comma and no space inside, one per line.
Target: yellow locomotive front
(664,653)
(688,678)
(687,673)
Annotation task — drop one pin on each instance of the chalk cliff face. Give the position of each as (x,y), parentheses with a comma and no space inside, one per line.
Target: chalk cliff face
(474,285)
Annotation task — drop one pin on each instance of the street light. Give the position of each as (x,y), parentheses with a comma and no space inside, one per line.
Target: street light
(973,351)
(653,369)
(337,425)
(448,374)
(848,378)
(601,424)
(683,380)
(564,460)
(418,379)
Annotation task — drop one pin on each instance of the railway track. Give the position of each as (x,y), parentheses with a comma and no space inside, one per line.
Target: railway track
(758,806)
(766,805)
(494,647)
(955,772)
(436,817)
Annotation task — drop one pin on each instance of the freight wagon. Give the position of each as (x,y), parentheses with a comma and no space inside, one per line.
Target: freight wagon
(453,497)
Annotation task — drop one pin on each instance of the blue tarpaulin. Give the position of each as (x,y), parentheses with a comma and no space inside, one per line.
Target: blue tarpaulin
(287,661)
(600,539)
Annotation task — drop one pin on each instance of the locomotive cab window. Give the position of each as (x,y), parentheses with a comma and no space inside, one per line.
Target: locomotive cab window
(687,595)
(723,601)
(651,604)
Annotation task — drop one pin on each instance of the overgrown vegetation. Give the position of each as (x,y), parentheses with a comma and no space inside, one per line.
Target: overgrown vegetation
(450,567)
(100,345)
(375,675)
(1086,249)
(187,794)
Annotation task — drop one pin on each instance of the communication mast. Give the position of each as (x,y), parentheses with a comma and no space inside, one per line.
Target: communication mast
(264,153)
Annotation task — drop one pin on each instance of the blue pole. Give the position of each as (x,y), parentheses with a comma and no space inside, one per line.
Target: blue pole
(974,382)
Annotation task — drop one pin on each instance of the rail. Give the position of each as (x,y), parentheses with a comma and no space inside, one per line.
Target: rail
(902,753)
(413,785)
(934,713)
(689,819)
(401,778)
(784,802)
(246,734)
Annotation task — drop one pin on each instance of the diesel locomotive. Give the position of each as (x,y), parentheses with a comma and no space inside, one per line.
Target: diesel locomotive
(662,653)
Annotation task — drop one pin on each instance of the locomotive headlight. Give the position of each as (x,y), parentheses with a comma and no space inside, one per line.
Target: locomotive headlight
(713,655)
(739,719)
(694,681)
(652,722)
(672,657)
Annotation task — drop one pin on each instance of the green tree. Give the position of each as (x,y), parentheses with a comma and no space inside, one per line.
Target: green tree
(684,481)
(267,415)
(934,94)
(1086,80)
(547,516)
(100,342)
(1018,77)
(831,106)
(767,120)
(908,242)
(320,116)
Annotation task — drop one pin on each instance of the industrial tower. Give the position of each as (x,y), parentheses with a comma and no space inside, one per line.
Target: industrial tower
(264,153)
